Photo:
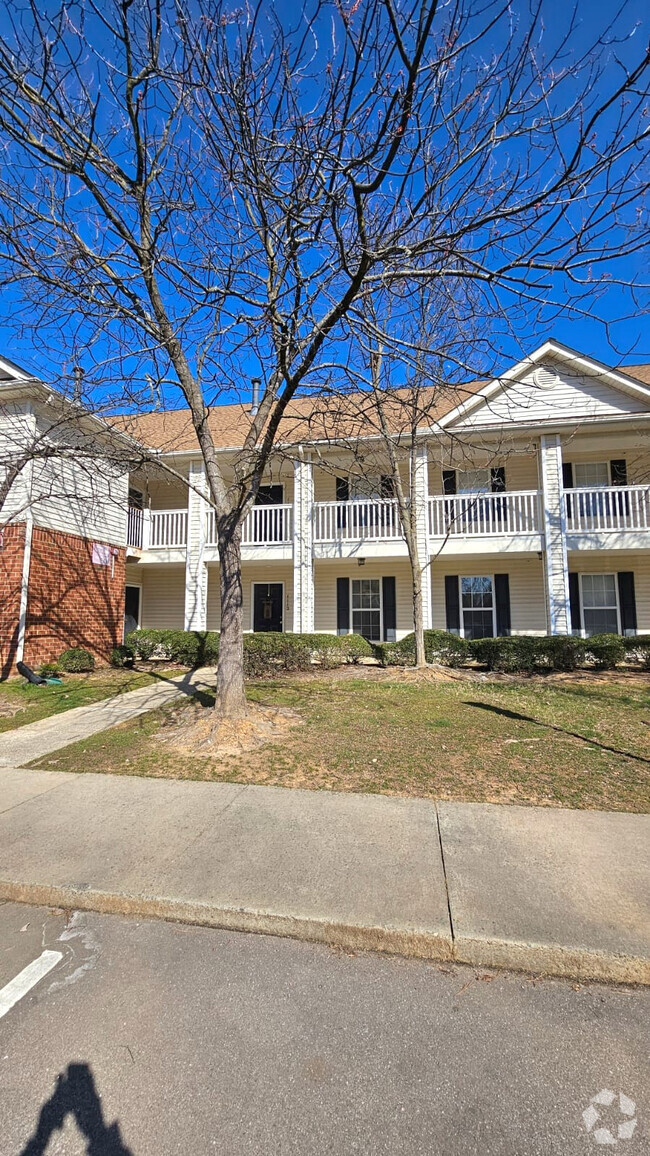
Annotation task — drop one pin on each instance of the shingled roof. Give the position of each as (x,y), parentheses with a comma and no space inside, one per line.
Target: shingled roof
(315,418)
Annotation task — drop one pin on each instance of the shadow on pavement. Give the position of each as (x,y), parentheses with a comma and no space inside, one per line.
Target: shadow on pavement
(553,727)
(76,1095)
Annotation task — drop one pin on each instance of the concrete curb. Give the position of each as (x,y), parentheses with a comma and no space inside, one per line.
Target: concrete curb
(551,960)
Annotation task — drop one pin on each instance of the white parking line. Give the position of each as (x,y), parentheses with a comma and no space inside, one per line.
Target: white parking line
(27,979)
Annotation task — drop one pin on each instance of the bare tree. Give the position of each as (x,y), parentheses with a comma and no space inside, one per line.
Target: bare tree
(199,194)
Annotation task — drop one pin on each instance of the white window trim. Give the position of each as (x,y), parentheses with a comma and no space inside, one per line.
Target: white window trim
(460,600)
(381,604)
(604,574)
(591,485)
(258,583)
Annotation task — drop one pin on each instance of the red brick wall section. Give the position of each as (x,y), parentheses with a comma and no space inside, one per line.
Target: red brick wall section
(72,601)
(12,542)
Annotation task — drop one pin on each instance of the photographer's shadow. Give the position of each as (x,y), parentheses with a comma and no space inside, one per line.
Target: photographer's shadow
(75,1095)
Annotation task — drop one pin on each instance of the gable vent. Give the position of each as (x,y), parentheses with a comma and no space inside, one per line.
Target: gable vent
(545,378)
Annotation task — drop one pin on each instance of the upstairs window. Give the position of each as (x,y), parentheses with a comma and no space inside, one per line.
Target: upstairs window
(474,482)
(590,475)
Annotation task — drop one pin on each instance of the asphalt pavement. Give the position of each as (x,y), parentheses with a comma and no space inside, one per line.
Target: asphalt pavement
(148,1038)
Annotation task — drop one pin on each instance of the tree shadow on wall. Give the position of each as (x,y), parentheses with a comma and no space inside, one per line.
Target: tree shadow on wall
(75,1095)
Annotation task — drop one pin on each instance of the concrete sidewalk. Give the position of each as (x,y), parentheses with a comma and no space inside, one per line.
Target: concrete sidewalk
(563,892)
(24,744)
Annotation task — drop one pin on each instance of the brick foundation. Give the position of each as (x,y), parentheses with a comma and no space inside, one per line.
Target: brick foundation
(71,600)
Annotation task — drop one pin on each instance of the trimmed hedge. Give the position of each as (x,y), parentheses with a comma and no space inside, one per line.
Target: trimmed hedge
(637,649)
(606,650)
(76,661)
(186,647)
(264,653)
(523,654)
(439,646)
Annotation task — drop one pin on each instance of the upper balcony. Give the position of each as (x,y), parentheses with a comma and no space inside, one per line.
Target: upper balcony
(608,517)
(600,518)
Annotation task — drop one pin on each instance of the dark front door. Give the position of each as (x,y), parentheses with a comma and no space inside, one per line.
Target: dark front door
(131,609)
(267,606)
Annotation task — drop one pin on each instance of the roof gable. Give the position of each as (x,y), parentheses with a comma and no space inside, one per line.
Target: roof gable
(553,384)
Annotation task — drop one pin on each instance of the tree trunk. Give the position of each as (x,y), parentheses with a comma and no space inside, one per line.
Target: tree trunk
(418,617)
(416,588)
(231,698)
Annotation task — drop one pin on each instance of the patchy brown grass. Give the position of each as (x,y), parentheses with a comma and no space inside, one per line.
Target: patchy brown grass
(580,741)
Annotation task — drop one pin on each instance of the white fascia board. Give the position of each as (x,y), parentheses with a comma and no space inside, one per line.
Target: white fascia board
(550,348)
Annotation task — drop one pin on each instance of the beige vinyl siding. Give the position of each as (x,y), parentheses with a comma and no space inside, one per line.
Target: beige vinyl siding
(521,471)
(527,597)
(638,459)
(610,562)
(252,572)
(164,495)
(326,574)
(162,605)
(574,396)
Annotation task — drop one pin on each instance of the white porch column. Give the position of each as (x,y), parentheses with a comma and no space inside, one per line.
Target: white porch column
(555,557)
(303,562)
(196,571)
(421,499)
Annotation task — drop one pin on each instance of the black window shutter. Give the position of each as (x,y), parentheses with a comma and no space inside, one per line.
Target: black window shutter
(387,486)
(498,480)
(627,601)
(618,469)
(567,475)
(452,603)
(342,490)
(502,603)
(342,605)
(389,599)
(449,481)
(574,601)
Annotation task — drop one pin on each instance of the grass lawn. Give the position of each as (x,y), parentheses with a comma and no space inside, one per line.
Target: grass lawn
(575,743)
(22,703)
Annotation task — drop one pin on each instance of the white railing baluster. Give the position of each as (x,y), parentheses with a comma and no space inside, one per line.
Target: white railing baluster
(607,509)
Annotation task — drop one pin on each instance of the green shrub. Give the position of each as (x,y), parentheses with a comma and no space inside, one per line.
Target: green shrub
(637,649)
(606,650)
(562,652)
(48,669)
(186,647)
(510,655)
(269,651)
(523,654)
(355,647)
(439,646)
(122,656)
(76,661)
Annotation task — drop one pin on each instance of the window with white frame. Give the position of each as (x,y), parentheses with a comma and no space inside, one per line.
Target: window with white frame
(366,608)
(477,607)
(473,482)
(590,475)
(599,603)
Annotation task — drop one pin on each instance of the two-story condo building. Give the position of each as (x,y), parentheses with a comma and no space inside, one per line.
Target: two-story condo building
(533,492)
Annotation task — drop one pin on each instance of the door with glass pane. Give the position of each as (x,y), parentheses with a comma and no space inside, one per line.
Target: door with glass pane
(599,603)
(366,608)
(477,607)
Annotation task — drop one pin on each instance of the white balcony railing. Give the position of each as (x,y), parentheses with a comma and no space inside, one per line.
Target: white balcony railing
(263,526)
(135,518)
(356,520)
(168,529)
(608,508)
(484,515)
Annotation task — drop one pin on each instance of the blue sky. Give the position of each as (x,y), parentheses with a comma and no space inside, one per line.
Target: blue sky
(612,326)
